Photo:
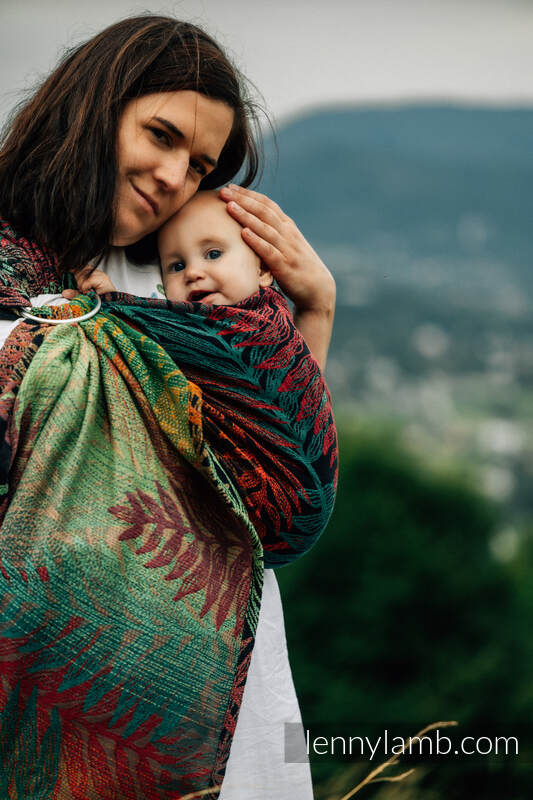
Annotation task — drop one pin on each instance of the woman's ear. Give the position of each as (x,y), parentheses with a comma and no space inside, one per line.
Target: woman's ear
(265,276)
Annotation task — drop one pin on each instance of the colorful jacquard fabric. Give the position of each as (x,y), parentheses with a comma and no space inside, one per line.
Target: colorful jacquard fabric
(26,270)
(155,458)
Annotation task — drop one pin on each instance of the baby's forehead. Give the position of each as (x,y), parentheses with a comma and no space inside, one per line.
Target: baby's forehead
(202,205)
(203,217)
(205,201)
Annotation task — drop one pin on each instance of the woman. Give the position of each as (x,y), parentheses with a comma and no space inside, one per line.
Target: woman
(125,130)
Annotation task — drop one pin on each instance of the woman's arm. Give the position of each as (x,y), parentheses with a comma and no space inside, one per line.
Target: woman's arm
(295,265)
(316,327)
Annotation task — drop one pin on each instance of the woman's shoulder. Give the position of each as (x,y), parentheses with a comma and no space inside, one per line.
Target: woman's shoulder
(26,268)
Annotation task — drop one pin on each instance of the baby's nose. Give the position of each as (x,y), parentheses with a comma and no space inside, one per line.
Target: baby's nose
(193,270)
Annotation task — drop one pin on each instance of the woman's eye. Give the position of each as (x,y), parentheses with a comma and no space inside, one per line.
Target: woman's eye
(199,168)
(212,254)
(161,136)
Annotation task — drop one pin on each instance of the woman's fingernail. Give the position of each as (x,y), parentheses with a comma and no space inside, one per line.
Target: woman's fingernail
(226,191)
(233,186)
(234,206)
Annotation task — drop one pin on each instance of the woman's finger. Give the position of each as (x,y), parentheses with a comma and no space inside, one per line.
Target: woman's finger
(257,204)
(271,256)
(247,219)
(251,194)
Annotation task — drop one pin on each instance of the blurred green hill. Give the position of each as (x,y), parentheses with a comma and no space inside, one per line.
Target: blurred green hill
(423,214)
(433,180)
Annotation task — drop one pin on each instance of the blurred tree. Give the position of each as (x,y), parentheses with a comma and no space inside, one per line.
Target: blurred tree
(400,617)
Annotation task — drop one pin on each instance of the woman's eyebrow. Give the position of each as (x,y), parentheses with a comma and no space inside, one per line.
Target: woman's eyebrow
(176,131)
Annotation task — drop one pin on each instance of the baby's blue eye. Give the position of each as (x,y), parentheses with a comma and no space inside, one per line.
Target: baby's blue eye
(176,266)
(212,254)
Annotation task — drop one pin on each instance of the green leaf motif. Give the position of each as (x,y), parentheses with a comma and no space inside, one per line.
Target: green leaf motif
(105,643)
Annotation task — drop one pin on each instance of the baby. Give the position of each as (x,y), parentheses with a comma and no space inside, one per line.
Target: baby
(202,255)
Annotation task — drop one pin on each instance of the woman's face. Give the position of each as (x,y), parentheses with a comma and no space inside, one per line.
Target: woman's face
(166,143)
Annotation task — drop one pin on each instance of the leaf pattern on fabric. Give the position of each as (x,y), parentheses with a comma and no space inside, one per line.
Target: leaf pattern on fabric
(26,270)
(271,426)
(154,458)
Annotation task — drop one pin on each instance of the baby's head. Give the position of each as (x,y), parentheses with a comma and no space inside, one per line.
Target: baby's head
(204,258)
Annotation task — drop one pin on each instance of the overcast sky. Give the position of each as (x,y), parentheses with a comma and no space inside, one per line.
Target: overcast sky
(308,53)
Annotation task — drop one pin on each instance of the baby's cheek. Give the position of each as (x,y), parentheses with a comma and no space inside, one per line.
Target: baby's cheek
(173,289)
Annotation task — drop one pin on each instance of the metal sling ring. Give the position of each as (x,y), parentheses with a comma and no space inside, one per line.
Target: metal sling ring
(71,321)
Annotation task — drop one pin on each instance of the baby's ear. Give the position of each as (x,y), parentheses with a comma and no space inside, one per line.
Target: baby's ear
(265,276)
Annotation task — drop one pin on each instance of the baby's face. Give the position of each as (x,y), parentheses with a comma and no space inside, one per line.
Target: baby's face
(203,257)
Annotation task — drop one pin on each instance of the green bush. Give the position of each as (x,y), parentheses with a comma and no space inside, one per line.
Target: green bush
(400,617)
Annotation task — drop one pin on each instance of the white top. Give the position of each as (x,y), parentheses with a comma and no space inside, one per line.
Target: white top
(256,768)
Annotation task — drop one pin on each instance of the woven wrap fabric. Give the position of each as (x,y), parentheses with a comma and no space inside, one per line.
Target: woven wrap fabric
(154,458)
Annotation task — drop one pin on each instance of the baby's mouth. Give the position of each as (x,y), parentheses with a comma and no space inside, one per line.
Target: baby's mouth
(198,295)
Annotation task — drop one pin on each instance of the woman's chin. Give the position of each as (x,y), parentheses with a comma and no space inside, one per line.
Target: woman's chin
(124,235)
(122,240)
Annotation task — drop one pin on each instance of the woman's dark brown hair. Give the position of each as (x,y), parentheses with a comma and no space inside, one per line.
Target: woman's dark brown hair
(58,158)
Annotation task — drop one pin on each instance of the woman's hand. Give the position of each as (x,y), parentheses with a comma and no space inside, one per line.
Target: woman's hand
(278,242)
(89,278)
(294,264)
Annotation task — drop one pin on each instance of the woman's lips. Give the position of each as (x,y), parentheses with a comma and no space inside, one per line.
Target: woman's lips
(148,202)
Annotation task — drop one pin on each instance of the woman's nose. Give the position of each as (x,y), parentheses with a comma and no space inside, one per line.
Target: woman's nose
(171,174)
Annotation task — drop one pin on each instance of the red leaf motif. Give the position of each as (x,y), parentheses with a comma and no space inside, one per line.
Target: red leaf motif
(197,556)
(311,400)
